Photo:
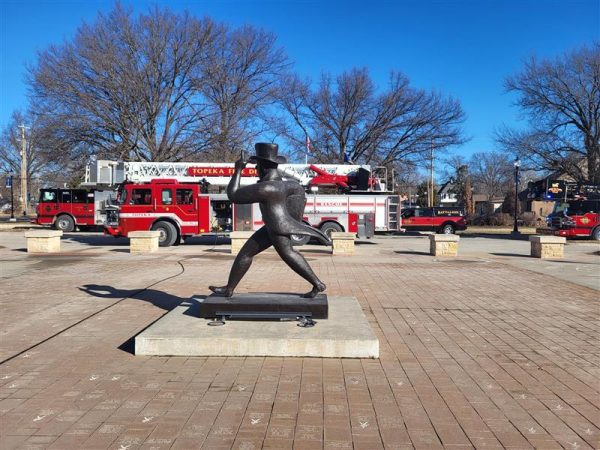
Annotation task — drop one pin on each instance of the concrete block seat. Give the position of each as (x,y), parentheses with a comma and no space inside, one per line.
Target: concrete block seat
(238,239)
(342,243)
(543,246)
(43,241)
(443,244)
(143,241)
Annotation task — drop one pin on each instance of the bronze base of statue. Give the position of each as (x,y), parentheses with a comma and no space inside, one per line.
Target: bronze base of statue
(264,306)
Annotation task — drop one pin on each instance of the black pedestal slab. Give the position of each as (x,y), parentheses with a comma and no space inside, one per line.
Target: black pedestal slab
(264,306)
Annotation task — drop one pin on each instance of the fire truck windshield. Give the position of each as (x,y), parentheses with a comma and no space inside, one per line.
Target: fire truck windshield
(559,208)
(47,196)
(576,207)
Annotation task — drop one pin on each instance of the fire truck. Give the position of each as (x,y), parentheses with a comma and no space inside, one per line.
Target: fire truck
(576,218)
(576,210)
(179,199)
(65,209)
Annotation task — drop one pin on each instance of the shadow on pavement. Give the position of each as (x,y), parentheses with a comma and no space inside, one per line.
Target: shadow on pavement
(511,254)
(208,239)
(308,251)
(157,298)
(96,240)
(106,240)
(520,237)
(409,252)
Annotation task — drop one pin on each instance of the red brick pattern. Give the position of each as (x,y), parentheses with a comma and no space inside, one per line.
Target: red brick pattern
(473,354)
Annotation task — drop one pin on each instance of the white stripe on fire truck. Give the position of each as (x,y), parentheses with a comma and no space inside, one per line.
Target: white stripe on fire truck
(171,215)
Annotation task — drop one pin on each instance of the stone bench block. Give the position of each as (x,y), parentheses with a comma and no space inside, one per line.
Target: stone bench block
(342,243)
(238,239)
(443,244)
(43,241)
(547,246)
(143,241)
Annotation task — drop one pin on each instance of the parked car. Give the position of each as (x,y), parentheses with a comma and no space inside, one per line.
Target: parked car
(446,220)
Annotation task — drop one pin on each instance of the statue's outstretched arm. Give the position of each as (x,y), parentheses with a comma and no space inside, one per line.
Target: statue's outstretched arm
(234,192)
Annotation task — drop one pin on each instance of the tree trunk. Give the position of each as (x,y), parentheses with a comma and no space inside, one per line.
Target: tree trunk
(593,162)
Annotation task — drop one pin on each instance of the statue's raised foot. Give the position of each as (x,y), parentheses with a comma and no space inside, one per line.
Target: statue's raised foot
(315,290)
(221,291)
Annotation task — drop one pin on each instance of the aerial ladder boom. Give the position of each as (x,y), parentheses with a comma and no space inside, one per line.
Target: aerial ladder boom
(344,176)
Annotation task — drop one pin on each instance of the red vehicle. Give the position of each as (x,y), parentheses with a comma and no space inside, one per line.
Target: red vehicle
(446,220)
(175,209)
(576,218)
(64,209)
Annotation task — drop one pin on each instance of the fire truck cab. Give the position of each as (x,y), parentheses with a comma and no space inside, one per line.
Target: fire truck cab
(175,209)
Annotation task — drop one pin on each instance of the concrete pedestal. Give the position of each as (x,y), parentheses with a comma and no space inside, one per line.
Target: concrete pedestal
(547,246)
(443,244)
(345,334)
(143,241)
(238,239)
(343,243)
(43,241)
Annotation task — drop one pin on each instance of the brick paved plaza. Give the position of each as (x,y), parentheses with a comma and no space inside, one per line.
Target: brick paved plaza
(488,350)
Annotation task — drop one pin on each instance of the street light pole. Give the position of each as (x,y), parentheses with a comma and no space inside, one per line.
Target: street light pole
(517,164)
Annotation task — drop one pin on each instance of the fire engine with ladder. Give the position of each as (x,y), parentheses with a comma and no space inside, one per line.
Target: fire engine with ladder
(182,199)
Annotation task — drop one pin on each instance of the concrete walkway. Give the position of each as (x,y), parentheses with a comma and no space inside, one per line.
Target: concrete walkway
(491,349)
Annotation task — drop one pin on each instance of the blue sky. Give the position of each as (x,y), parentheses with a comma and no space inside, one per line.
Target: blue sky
(463,48)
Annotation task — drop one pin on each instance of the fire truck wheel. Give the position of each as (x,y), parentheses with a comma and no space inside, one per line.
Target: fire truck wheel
(596,234)
(298,239)
(64,223)
(447,229)
(330,227)
(168,233)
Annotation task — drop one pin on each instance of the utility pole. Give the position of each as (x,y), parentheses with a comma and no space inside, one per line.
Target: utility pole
(10,181)
(431,196)
(24,170)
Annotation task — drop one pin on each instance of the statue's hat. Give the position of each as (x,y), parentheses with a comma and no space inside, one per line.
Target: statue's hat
(267,152)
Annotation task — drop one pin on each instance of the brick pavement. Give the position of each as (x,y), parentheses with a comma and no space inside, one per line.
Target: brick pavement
(474,353)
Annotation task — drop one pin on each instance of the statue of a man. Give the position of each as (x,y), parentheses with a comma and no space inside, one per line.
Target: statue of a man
(282,207)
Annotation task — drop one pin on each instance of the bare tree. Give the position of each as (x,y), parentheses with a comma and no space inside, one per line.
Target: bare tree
(347,119)
(239,82)
(491,173)
(451,165)
(463,189)
(407,179)
(47,161)
(561,99)
(160,86)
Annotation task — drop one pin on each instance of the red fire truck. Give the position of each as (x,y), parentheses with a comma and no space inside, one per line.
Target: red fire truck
(65,209)
(576,218)
(169,197)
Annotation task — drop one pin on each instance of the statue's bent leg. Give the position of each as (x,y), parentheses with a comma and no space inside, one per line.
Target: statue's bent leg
(283,246)
(257,243)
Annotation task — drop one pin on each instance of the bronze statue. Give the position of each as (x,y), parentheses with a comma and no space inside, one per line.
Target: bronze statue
(282,207)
